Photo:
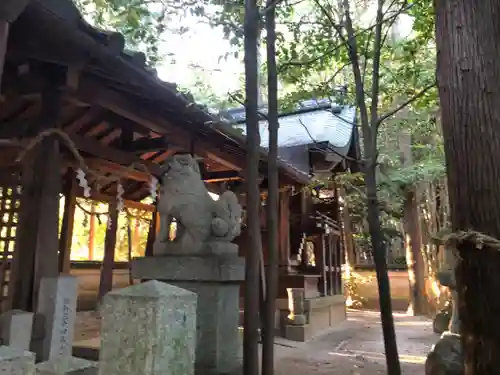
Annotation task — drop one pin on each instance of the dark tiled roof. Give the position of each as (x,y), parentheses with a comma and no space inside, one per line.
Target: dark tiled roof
(315,123)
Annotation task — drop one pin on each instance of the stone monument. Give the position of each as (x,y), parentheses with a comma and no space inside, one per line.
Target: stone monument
(202,259)
(148,329)
(57,305)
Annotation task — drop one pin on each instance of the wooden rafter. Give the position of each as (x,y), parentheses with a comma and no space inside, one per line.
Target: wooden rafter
(96,93)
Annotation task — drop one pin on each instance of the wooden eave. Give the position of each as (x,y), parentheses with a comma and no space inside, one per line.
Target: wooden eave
(115,112)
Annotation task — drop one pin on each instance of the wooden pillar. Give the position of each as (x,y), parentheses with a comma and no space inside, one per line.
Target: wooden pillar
(4,36)
(284,229)
(91,243)
(38,238)
(347,231)
(153,228)
(68,221)
(106,280)
(332,266)
(324,262)
(137,235)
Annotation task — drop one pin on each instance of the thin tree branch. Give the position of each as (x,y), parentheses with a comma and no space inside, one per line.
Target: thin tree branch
(348,158)
(276,3)
(358,80)
(406,103)
(260,113)
(391,23)
(377,46)
(335,25)
(348,40)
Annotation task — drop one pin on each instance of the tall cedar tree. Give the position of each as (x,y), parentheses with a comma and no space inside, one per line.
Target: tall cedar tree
(468,68)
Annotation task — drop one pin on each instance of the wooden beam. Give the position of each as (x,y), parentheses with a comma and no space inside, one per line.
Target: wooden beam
(99,197)
(140,175)
(102,151)
(106,278)
(91,115)
(146,144)
(68,221)
(91,91)
(223,161)
(117,170)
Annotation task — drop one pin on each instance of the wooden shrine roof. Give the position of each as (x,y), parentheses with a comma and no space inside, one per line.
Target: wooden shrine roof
(115,110)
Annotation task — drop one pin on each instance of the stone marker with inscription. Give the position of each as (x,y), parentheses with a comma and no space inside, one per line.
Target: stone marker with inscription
(16,328)
(57,303)
(148,329)
(67,366)
(16,362)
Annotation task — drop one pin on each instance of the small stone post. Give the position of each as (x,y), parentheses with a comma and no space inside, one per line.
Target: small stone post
(15,329)
(148,329)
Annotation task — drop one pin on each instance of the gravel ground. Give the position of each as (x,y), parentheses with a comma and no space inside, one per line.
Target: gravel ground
(354,347)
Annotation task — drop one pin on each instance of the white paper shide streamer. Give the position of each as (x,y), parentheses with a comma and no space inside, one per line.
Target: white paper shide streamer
(82,182)
(119,197)
(153,188)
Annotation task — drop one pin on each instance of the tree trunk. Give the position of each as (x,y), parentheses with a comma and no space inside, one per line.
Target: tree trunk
(384,289)
(468,42)
(369,127)
(414,258)
(251,306)
(272,197)
(413,236)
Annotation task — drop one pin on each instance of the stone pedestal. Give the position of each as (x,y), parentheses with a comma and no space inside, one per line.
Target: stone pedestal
(215,277)
(148,329)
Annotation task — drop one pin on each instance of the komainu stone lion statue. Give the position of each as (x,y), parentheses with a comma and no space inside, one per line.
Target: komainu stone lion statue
(200,219)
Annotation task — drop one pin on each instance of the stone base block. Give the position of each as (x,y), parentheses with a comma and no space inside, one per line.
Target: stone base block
(67,366)
(16,328)
(323,314)
(16,362)
(215,279)
(203,268)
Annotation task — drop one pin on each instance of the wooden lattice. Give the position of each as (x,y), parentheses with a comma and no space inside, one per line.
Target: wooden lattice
(10,201)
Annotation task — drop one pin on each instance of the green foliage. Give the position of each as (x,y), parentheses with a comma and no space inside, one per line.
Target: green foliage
(408,176)
(142,22)
(313,58)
